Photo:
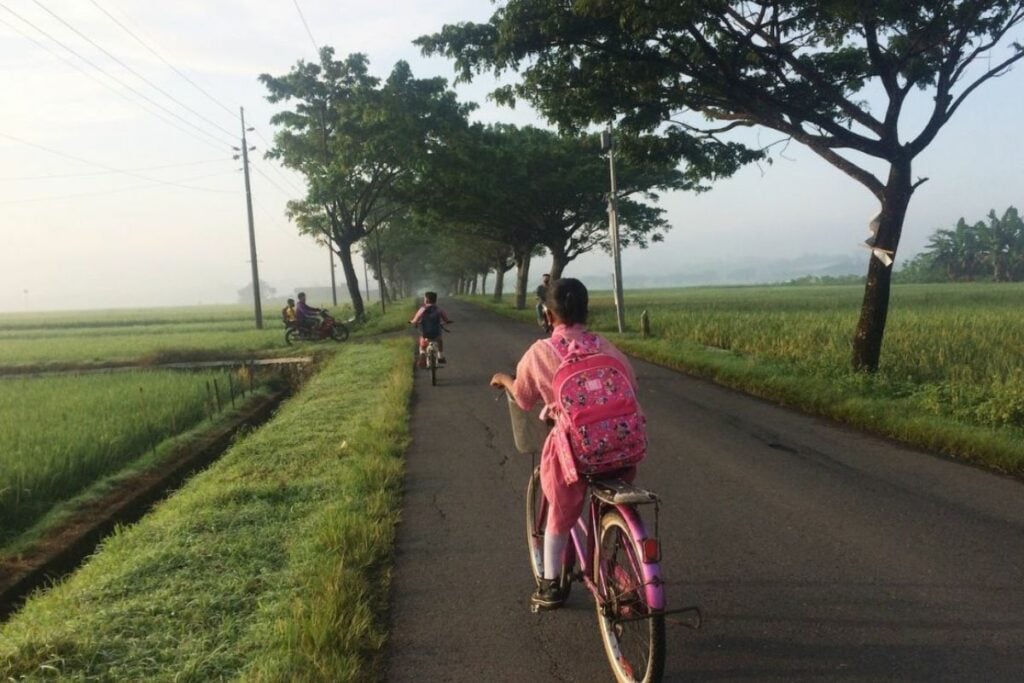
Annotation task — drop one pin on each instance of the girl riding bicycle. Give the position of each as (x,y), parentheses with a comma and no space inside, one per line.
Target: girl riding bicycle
(567,308)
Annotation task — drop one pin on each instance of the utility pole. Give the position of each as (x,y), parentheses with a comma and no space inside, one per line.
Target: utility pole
(366,277)
(608,145)
(252,230)
(334,287)
(380,273)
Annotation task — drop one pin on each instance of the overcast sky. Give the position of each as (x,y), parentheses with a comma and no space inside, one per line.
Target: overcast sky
(75,233)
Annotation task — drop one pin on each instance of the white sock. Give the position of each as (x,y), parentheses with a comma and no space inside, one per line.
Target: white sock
(554,547)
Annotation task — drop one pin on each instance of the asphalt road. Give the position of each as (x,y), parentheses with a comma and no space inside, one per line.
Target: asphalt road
(816,552)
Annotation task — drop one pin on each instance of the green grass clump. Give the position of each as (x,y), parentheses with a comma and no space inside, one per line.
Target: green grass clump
(273,564)
(952,371)
(60,434)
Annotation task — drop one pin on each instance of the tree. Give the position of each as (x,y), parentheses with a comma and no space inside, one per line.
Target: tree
(801,68)
(266,293)
(528,187)
(358,142)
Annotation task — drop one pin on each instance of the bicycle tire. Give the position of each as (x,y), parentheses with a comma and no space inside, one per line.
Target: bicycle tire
(339,332)
(536,522)
(635,649)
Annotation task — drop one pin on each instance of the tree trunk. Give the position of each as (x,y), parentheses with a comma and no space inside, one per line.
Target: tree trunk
(559,261)
(483,283)
(472,286)
(499,283)
(344,252)
(867,341)
(522,259)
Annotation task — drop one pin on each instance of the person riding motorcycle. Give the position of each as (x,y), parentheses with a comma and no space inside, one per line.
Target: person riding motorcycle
(307,317)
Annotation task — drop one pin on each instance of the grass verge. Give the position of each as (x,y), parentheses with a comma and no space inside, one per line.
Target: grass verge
(898,404)
(271,565)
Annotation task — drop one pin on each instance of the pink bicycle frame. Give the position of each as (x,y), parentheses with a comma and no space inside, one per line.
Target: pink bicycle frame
(585,544)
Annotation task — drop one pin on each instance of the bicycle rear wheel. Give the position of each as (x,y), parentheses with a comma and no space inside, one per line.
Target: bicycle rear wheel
(633,636)
(536,523)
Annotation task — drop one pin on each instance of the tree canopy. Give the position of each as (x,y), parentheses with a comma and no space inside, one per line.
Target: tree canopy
(694,70)
(359,141)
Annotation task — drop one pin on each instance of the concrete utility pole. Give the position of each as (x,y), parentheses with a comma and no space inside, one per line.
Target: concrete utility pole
(366,276)
(608,145)
(334,287)
(380,274)
(252,230)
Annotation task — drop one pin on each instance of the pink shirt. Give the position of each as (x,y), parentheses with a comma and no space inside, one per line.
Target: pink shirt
(564,490)
(537,367)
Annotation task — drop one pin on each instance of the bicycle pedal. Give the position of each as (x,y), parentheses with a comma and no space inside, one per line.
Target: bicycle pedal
(535,609)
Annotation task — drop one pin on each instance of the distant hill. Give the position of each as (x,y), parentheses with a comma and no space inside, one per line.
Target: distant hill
(734,273)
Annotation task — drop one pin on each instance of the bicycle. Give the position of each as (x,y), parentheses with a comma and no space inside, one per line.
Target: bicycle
(612,554)
(432,353)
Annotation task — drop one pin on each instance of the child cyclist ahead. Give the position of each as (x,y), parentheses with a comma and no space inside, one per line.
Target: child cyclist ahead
(430,318)
(563,487)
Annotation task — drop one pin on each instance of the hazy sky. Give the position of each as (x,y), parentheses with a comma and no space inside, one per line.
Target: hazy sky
(76,233)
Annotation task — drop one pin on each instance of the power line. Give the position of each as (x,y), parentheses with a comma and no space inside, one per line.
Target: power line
(104,166)
(308,32)
(133,71)
(162,59)
(277,169)
(206,141)
(144,186)
(101,173)
(286,193)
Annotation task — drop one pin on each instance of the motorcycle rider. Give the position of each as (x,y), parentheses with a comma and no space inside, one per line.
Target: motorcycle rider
(306,316)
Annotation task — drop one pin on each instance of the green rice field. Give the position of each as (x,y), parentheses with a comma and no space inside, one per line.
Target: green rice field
(952,370)
(42,340)
(60,434)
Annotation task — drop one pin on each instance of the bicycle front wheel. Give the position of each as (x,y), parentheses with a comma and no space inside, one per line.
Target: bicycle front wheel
(633,636)
(536,523)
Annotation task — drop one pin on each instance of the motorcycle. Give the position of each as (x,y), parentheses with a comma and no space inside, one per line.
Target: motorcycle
(329,328)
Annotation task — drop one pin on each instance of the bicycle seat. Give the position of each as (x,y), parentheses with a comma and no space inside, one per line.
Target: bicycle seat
(619,492)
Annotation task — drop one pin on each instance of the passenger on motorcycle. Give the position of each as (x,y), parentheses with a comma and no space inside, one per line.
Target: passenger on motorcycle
(306,316)
(288,315)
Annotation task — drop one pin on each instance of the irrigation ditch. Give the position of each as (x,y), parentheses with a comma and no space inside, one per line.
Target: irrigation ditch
(62,548)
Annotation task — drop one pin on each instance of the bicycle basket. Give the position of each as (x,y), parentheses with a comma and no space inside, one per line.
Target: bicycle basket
(528,430)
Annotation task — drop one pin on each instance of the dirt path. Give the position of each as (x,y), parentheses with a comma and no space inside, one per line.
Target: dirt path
(816,552)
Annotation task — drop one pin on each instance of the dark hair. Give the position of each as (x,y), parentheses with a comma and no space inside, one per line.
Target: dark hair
(568,299)
(431,297)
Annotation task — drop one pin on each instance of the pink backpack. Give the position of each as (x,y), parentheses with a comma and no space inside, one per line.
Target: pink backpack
(598,422)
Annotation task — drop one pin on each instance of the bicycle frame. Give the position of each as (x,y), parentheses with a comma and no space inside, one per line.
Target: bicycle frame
(584,537)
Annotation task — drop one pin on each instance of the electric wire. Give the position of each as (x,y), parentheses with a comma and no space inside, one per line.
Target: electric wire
(159,56)
(102,173)
(131,70)
(286,193)
(304,23)
(143,186)
(210,140)
(103,166)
